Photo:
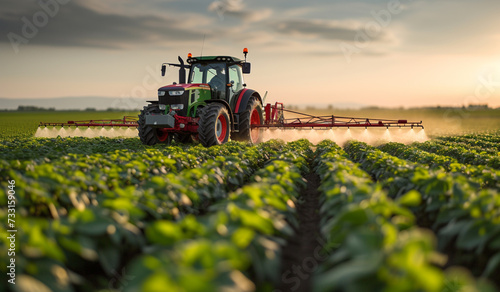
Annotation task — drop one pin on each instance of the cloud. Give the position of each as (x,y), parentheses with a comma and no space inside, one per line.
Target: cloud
(226,6)
(449,26)
(237,9)
(78,25)
(300,11)
(251,16)
(326,30)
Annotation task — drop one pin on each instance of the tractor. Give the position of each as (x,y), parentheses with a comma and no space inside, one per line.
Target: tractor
(212,106)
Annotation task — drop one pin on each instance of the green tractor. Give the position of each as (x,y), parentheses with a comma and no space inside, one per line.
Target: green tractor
(212,106)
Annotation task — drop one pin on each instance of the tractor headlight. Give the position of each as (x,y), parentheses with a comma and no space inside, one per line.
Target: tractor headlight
(176,93)
(162,107)
(161,93)
(176,107)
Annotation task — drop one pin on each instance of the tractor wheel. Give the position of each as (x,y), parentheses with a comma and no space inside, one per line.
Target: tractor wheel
(252,116)
(148,135)
(214,125)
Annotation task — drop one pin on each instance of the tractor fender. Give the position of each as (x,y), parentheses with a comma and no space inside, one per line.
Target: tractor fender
(243,98)
(221,101)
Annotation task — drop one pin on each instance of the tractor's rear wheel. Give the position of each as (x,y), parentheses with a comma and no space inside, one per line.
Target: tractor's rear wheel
(252,116)
(214,125)
(149,135)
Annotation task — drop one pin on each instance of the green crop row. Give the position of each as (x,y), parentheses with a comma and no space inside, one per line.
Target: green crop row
(372,241)
(53,148)
(478,149)
(486,176)
(462,153)
(253,222)
(485,137)
(132,239)
(43,150)
(160,183)
(464,218)
(484,143)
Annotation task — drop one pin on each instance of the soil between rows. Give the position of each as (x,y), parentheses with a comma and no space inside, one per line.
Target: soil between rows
(298,258)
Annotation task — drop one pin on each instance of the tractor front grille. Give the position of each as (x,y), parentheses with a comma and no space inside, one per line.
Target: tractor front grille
(179,99)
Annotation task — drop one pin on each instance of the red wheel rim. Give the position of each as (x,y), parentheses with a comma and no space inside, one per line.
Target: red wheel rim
(161,135)
(221,128)
(254,120)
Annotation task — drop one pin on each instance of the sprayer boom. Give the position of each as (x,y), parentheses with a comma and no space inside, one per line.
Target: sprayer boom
(126,121)
(275,119)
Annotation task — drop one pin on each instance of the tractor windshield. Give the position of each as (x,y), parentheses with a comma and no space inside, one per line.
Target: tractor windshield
(205,73)
(213,74)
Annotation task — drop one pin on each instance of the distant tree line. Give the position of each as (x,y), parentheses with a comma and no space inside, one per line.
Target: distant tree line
(31,108)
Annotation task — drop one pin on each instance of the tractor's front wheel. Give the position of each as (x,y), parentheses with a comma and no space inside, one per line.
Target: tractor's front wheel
(252,116)
(149,135)
(214,126)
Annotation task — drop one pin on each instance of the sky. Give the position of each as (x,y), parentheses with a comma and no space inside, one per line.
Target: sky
(387,53)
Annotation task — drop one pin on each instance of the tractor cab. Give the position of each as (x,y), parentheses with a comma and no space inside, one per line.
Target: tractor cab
(225,78)
(224,74)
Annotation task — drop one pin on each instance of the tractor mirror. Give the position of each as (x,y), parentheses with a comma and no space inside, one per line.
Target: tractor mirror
(163,70)
(246,68)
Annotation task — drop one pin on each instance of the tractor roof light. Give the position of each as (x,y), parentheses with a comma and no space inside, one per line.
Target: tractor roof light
(245,52)
(190,56)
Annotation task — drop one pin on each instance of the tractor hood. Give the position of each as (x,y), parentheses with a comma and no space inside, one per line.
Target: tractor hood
(185,86)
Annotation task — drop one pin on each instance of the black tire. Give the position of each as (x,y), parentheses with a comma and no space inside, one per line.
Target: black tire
(252,114)
(148,135)
(214,126)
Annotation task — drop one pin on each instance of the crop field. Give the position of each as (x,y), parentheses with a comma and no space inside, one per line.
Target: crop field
(15,124)
(110,214)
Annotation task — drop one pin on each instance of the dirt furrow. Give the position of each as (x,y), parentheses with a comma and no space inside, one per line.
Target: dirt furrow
(301,255)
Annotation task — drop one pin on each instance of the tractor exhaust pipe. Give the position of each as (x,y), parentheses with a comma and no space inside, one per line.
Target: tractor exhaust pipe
(182,71)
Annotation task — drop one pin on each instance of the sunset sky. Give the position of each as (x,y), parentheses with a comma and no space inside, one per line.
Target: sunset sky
(377,53)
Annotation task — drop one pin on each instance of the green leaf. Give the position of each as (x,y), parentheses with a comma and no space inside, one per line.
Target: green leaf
(163,232)
(492,265)
(109,257)
(470,236)
(242,237)
(350,271)
(97,227)
(410,199)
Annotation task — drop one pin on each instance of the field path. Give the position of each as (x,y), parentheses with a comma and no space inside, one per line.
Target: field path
(298,261)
